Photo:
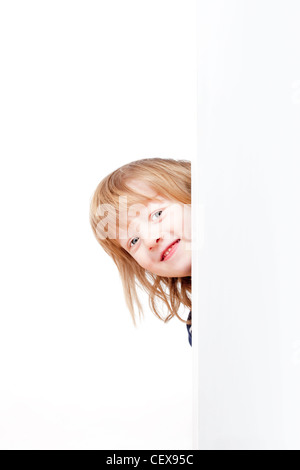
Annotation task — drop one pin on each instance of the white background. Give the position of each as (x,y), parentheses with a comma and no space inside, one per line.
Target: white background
(86,86)
(249,173)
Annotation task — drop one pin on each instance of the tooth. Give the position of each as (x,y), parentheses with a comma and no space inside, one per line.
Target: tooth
(167,252)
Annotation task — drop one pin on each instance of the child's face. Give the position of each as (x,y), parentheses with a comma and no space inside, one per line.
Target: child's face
(154,229)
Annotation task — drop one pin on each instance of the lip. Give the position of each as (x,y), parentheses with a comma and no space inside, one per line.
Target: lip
(166,249)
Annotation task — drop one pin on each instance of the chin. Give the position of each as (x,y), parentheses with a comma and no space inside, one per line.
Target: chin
(179,274)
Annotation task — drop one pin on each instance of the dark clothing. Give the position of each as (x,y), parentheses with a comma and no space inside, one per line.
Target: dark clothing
(189,328)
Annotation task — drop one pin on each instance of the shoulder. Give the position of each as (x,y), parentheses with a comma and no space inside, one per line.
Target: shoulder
(189,328)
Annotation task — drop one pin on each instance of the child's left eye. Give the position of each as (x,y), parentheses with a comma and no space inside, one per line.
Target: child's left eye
(156,212)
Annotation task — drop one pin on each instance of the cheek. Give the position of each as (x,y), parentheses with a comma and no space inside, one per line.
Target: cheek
(188,228)
(186,223)
(180,221)
(141,261)
(147,264)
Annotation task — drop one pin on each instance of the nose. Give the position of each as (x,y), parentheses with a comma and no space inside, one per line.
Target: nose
(153,243)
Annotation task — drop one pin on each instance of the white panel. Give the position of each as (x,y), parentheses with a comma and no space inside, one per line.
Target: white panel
(248,173)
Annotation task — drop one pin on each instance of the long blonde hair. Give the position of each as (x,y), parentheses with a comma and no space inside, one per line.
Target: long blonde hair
(172,180)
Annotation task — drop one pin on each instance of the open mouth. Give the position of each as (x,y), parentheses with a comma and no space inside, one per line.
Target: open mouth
(170,250)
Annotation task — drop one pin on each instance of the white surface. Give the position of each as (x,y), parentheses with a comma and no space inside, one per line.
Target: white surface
(86,86)
(249,147)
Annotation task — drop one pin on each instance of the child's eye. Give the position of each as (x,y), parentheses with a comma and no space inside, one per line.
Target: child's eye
(132,241)
(156,212)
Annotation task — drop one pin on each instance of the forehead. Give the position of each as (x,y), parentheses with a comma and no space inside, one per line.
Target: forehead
(142,188)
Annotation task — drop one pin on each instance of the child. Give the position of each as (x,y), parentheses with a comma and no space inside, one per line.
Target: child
(141,216)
